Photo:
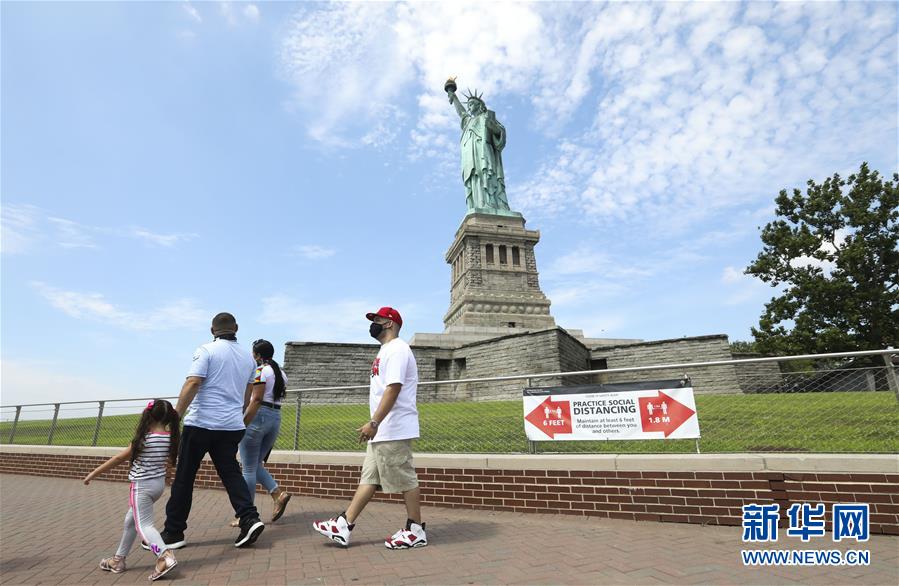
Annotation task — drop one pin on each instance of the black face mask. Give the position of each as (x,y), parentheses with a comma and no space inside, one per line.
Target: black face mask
(375,330)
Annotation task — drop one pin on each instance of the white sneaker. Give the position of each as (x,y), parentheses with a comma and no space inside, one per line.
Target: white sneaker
(396,535)
(336,529)
(412,536)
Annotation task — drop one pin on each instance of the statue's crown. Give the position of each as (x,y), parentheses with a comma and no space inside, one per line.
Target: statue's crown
(474,96)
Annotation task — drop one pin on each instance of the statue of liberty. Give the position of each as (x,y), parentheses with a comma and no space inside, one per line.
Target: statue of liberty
(482,142)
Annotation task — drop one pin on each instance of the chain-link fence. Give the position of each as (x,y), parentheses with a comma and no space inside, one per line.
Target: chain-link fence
(825,403)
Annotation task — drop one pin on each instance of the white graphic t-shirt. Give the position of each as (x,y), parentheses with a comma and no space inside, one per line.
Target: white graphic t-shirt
(266,374)
(395,364)
(227,369)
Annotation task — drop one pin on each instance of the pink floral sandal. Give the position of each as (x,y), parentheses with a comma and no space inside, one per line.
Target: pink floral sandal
(115,564)
(167,562)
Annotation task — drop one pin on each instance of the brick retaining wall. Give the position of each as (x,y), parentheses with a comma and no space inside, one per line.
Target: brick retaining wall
(677,496)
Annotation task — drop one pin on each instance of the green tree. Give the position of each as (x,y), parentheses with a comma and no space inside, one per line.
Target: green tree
(834,251)
(743,347)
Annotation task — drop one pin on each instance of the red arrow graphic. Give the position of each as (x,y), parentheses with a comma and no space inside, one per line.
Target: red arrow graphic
(662,413)
(551,417)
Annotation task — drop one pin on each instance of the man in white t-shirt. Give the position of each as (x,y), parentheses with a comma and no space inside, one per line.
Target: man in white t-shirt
(393,426)
(221,375)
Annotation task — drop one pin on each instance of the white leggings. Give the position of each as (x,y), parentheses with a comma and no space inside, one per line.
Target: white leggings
(139,518)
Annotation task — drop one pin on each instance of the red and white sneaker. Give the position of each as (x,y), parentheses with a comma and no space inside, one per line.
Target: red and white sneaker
(412,536)
(336,529)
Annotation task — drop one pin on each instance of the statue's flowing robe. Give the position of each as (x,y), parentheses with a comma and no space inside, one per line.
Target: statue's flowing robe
(483,139)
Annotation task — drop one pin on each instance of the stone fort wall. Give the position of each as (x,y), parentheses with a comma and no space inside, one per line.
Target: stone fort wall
(715,379)
(312,364)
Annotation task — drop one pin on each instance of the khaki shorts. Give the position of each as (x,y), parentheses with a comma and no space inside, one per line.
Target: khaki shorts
(389,464)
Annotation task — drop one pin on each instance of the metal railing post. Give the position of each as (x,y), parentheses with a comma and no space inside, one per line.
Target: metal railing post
(892,380)
(97,427)
(53,425)
(532,445)
(15,422)
(296,427)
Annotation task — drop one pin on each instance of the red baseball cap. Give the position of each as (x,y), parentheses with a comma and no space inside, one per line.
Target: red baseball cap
(388,313)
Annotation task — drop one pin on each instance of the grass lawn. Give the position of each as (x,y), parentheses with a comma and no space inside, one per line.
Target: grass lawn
(807,422)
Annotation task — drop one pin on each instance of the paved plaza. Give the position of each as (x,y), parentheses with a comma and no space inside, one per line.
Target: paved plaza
(54,531)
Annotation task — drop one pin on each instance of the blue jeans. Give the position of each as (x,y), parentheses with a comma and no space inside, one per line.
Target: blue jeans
(255,445)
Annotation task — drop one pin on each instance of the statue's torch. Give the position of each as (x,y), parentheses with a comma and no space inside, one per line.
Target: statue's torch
(450,85)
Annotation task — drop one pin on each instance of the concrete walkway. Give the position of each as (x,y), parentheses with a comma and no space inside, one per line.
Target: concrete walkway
(54,531)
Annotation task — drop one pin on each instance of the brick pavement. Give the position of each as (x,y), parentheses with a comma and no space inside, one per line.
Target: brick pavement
(54,531)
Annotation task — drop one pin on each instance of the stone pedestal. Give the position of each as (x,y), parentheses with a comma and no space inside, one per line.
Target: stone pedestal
(494,282)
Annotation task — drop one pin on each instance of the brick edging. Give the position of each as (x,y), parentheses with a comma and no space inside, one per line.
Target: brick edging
(703,497)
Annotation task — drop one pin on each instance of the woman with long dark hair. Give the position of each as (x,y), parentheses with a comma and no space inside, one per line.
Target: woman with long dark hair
(262,416)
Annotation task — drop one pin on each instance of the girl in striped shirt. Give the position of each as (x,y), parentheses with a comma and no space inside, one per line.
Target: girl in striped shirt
(155,445)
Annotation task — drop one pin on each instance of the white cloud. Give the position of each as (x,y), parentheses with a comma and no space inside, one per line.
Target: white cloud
(232,17)
(583,278)
(26,227)
(347,63)
(826,266)
(192,12)
(251,11)
(732,275)
(604,273)
(336,321)
(742,288)
(72,234)
(314,252)
(584,292)
(723,127)
(744,42)
(228,13)
(21,386)
(182,313)
(386,128)
(691,109)
(18,227)
(348,60)
(585,260)
(825,257)
(164,240)
(600,325)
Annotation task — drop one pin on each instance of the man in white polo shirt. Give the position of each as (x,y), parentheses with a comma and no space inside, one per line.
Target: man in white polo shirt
(393,426)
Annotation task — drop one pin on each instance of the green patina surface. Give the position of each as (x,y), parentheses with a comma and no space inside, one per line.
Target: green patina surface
(482,142)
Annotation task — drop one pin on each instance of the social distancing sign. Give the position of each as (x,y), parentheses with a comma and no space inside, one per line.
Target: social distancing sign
(621,411)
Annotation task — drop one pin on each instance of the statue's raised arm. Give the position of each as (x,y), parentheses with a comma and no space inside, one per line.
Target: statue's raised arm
(450,88)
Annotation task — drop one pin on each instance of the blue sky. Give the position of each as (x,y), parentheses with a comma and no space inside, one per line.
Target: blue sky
(297,164)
